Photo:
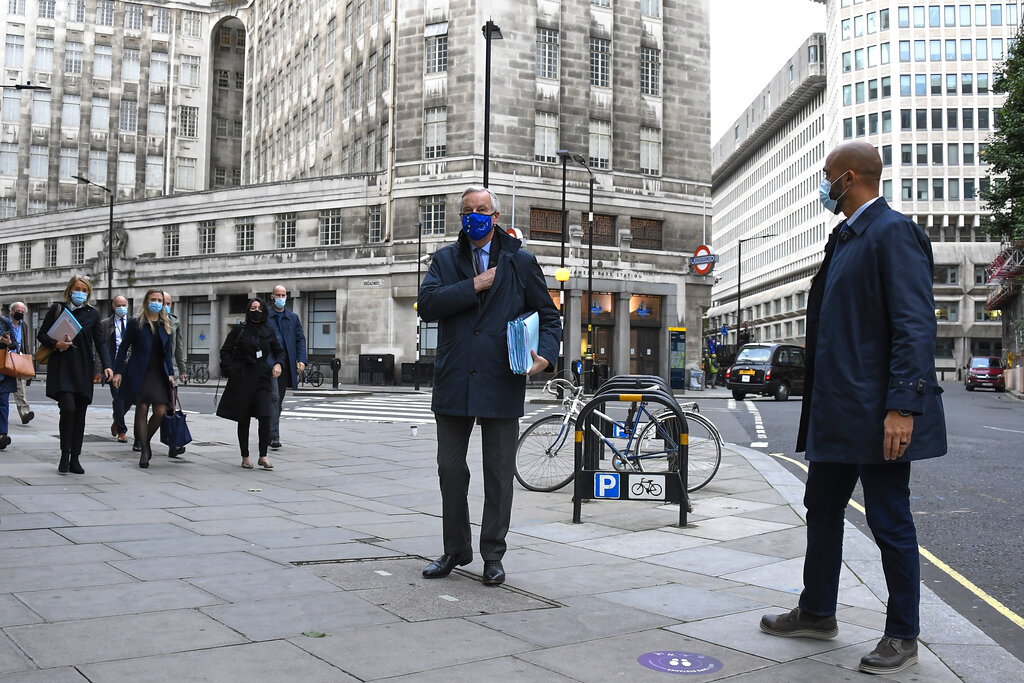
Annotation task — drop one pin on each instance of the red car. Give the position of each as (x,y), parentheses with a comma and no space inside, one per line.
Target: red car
(984,371)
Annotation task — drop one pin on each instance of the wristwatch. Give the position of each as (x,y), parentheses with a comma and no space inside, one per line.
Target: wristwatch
(905,413)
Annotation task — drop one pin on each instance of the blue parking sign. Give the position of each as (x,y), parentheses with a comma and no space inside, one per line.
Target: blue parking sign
(606,485)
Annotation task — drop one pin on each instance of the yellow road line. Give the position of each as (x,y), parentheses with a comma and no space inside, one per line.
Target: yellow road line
(952,573)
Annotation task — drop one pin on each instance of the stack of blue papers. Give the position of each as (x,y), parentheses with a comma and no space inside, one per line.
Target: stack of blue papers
(523,334)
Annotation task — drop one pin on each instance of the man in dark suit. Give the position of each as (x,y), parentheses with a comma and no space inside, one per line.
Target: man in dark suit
(474,288)
(288,328)
(113,331)
(871,403)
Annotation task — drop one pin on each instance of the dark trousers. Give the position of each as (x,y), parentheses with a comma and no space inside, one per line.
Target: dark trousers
(499,453)
(277,401)
(262,431)
(5,407)
(72,422)
(887,504)
(118,406)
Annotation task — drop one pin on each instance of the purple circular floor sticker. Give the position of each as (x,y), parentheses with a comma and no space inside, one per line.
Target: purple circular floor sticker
(680,662)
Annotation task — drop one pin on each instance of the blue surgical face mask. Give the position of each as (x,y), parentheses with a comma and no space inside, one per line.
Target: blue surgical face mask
(825,194)
(121,311)
(79,298)
(476,225)
(155,306)
(279,302)
(167,310)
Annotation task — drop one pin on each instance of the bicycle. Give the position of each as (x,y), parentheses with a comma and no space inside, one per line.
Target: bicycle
(545,453)
(196,371)
(311,374)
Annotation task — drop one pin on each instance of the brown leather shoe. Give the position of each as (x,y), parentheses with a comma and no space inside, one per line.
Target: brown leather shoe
(113,429)
(122,438)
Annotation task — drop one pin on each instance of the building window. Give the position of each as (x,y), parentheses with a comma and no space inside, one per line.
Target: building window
(191,24)
(76,10)
(600,144)
(98,164)
(650,8)
(373,221)
(157,121)
(435,132)
(650,151)
(190,71)
(600,62)
(129,120)
(155,172)
(285,230)
(41,108)
(223,79)
(947,311)
(126,169)
(188,122)
(77,250)
(220,177)
(982,315)
(946,275)
(436,36)
(206,237)
(646,232)
(8,159)
(105,12)
(546,224)
(158,68)
(170,241)
(73,57)
(37,161)
(245,234)
(545,137)
(11,105)
(650,71)
(323,323)
(6,211)
(101,62)
(133,16)
(25,256)
(68,162)
(604,229)
(161,20)
(330,227)
(50,253)
(547,53)
(432,214)
(185,175)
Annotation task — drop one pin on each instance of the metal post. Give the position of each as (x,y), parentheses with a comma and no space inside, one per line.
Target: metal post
(590,274)
(564,154)
(491,32)
(419,266)
(739,292)
(110,252)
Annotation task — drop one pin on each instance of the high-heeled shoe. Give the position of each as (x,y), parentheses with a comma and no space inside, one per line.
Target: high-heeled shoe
(145,455)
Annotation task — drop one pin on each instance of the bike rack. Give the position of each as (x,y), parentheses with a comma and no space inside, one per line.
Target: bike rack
(592,483)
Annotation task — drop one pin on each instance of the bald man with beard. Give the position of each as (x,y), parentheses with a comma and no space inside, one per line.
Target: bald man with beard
(871,403)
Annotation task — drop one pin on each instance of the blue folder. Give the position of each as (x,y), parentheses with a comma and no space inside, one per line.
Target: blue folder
(523,334)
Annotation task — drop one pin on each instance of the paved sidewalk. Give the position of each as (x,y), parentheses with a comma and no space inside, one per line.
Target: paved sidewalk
(201,570)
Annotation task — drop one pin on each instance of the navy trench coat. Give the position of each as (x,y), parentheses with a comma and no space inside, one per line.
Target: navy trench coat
(133,357)
(871,342)
(471,370)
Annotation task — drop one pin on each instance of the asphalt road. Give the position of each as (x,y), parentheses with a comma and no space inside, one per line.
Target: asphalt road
(968,505)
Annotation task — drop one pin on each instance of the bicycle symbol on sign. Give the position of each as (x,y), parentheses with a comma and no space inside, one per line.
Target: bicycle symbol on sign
(645,486)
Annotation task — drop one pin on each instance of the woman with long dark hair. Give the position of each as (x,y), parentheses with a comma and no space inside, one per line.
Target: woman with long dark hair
(70,368)
(145,378)
(250,359)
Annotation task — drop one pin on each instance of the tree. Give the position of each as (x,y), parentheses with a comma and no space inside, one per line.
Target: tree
(1005,151)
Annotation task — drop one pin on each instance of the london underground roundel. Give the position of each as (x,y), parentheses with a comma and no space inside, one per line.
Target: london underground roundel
(703,259)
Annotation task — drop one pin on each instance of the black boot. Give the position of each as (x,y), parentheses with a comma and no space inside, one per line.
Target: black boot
(62,466)
(75,466)
(145,455)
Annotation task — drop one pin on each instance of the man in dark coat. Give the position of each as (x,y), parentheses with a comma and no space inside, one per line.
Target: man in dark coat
(113,329)
(288,328)
(474,288)
(871,402)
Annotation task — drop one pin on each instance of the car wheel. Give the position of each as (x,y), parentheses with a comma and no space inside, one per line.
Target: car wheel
(1000,389)
(782,392)
(969,387)
(739,395)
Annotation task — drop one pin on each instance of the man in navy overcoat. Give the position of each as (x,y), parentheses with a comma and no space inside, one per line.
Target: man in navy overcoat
(871,402)
(473,289)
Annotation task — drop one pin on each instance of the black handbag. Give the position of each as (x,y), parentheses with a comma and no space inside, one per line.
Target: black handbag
(173,428)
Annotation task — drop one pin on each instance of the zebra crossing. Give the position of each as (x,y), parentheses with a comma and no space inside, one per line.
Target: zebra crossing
(411,409)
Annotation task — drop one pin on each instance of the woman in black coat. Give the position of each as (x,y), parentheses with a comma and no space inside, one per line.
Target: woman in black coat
(69,374)
(249,359)
(146,378)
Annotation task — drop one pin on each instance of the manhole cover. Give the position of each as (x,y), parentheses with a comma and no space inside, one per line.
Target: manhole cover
(396,584)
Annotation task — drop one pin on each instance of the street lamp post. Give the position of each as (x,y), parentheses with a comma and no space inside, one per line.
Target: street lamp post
(563,274)
(110,235)
(739,280)
(419,265)
(590,263)
(491,32)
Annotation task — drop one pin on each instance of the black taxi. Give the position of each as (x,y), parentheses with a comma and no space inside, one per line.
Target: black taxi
(767,369)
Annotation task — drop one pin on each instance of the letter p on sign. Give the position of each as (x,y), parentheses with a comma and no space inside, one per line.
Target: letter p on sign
(606,485)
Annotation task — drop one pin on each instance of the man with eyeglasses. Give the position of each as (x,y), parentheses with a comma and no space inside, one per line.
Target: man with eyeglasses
(474,288)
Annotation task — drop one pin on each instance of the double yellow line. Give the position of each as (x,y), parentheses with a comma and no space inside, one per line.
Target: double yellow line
(952,573)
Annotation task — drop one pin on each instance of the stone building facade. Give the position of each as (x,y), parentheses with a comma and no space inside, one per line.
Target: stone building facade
(361,123)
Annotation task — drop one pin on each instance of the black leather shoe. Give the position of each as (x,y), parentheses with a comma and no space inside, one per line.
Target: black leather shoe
(800,624)
(494,573)
(27,417)
(890,656)
(136,446)
(443,566)
(5,441)
(275,444)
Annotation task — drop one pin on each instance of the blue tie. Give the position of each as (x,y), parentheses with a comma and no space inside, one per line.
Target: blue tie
(481,265)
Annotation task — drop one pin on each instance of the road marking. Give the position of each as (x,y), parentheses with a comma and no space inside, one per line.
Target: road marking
(758,425)
(759,444)
(449,598)
(952,573)
(1001,429)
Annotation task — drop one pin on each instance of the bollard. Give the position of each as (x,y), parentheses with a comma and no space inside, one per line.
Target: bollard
(335,368)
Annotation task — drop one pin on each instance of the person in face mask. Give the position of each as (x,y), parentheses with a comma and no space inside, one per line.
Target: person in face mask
(180,360)
(248,359)
(871,403)
(144,373)
(19,335)
(475,287)
(71,368)
(114,329)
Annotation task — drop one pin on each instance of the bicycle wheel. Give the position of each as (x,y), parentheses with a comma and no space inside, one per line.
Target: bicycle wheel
(704,454)
(316,378)
(313,366)
(202,374)
(655,449)
(546,454)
